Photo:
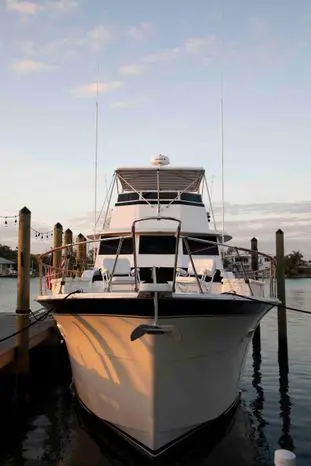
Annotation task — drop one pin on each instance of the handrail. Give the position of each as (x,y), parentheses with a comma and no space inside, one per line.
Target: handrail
(155,297)
(167,233)
(59,248)
(143,219)
(245,274)
(115,263)
(192,264)
(229,246)
(60,272)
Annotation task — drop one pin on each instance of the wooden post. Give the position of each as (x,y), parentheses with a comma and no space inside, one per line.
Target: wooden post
(254,264)
(254,248)
(57,242)
(280,280)
(23,292)
(67,240)
(81,254)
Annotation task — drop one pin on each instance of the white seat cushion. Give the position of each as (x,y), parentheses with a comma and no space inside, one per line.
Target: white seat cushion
(126,280)
(123,266)
(203,266)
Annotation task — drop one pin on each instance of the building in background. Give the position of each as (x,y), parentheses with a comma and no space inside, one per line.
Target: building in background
(7,267)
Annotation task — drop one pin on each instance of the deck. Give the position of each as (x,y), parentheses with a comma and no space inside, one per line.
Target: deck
(38,333)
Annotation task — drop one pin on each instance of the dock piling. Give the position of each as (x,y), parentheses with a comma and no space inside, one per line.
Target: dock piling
(81,253)
(23,292)
(57,242)
(280,279)
(254,264)
(67,240)
(67,252)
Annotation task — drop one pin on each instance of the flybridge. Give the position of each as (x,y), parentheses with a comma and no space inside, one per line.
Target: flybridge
(139,192)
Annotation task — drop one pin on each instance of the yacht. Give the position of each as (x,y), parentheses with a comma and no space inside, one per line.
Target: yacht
(157,330)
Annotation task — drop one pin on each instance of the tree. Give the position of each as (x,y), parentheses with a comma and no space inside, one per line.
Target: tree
(8,253)
(11,254)
(292,262)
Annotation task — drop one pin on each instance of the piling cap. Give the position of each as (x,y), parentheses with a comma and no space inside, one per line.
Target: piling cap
(284,458)
(24,210)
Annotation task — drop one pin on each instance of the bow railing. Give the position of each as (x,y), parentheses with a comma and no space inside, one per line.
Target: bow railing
(240,262)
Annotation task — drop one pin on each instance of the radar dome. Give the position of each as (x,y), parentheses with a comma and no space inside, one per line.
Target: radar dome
(160,160)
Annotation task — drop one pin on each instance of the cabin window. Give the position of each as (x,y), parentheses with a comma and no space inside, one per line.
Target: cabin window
(190,197)
(202,249)
(153,195)
(157,245)
(125,197)
(111,247)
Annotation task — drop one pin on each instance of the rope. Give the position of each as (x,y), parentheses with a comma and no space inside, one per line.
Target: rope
(289,308)
(37,319)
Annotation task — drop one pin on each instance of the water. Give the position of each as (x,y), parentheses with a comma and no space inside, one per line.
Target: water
(272,414)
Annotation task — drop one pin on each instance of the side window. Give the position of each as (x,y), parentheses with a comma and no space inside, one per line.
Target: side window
(110,247)
(202,249)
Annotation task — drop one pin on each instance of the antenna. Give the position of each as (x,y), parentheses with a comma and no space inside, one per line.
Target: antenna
(96,159)
(222,160)
(222,131)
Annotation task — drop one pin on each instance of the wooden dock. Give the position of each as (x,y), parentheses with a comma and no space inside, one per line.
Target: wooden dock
(38,333)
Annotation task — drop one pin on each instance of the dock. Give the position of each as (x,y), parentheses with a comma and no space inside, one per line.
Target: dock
(40,332)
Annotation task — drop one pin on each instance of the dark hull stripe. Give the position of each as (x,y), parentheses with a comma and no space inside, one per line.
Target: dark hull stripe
(145,307)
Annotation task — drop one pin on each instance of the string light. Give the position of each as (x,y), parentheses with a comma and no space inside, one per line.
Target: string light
(8,219)
(42,234)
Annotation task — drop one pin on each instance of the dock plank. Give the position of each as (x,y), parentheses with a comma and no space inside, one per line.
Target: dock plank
(38,333)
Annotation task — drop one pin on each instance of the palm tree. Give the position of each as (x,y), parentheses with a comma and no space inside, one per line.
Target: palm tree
(292,262)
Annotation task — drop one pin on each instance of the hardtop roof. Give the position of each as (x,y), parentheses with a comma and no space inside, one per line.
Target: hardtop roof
(170,178)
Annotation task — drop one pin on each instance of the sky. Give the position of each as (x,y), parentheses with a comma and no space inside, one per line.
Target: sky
(159,67)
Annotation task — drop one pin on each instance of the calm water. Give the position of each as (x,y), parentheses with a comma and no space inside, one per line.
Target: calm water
(271,415)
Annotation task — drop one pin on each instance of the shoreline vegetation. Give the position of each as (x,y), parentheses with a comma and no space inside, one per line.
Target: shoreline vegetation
(296,266)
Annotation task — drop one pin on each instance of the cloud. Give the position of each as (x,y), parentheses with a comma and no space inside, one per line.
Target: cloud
(30,66)
(27,47)
(192,46)
(122,104)
(131,69)
(243,221)
(89,90)
(198,45)
(62,5)
(28,8)
(260,26)
(93,39)
(25,8)
(162,56)
(98,36)
(141,30)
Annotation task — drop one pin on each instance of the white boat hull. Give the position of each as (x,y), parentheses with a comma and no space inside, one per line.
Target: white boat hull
(158,388)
